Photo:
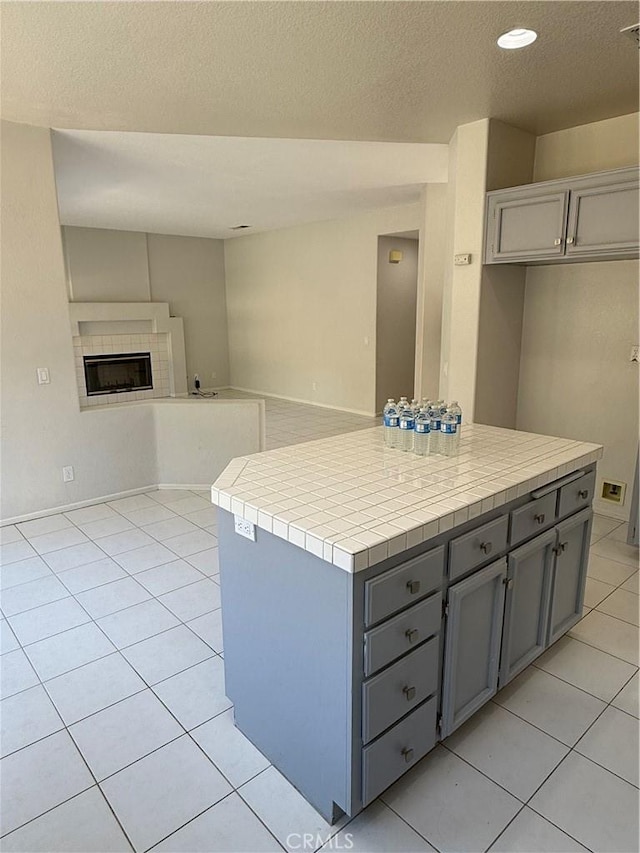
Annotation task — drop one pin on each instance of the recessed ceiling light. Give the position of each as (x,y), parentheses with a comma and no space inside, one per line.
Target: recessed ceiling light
(517,38)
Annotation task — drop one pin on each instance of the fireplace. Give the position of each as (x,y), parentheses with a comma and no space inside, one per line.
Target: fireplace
(114,373)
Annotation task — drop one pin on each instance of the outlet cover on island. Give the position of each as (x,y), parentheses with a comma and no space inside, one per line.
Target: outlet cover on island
(67,474)
(244,528)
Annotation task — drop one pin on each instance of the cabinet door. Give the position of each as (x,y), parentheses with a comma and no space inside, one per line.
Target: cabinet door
(472,644)
(570,573)
(604,220)
(526,226)
(526,611)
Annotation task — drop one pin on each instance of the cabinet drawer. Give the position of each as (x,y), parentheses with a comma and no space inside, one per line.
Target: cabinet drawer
(532,518)
(395,752)
(397,690)
(576,495)
(402,633)
(403,585)
(476,547)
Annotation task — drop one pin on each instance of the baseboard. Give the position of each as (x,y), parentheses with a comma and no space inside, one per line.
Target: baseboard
(619,513)
(202,487)
(80,504)
(300,400)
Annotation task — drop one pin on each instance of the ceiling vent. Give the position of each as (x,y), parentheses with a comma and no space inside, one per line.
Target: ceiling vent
(633,32)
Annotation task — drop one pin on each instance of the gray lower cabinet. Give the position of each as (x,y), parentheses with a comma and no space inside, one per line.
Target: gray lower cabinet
(344,681)
(526,612)
(569,574)
(472,644)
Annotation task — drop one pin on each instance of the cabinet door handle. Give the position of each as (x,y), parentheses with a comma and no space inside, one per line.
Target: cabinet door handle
(413,587)
(412,634)
(583,494)
(571,240)
(560,547)
(539,517)
(407,754)
(508,582)
(557,241)
(486,547)
(409,693)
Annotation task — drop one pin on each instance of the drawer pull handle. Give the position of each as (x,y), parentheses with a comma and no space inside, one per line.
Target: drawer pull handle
(409,692)
(412,634)
(413,587)
(486,547)
(584,494)
(539,517)
(408,754)
(560,547)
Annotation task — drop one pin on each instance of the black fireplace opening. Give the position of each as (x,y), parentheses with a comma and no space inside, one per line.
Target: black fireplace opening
(111,374)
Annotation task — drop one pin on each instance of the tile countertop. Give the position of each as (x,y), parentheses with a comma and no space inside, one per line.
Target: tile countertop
(353,502)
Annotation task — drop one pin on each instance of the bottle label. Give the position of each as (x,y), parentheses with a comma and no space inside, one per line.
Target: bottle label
(448,428)
(459,418)
(406,423)
(391,420)
(435,424)
(422,428)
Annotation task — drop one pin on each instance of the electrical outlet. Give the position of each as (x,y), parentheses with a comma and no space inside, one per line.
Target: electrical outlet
(214,375)
(244,528)
(462,260)
(314,386)
(43,375)
(67,474)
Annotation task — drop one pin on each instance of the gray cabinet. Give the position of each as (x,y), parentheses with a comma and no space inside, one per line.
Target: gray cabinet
(569,575)
(526,613)
(527,225)
(603,220)
(593,217)
(472,644)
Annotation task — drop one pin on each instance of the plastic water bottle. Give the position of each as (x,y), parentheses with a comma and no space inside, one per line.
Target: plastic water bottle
(422,433)
(415,406)
(435,419)
(443,406)
(457,411)
(403,404)
(391,422)
(448,434)
(407,422)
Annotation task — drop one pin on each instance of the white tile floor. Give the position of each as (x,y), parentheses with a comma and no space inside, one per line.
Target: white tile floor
(117,735)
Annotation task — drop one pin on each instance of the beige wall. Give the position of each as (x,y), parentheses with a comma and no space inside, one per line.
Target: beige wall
(301,308)
(112,449)
(580,321)
(608,144)
(397,289)
(510,156)
(42,426)
(186,272)
(462,284)
(105,265)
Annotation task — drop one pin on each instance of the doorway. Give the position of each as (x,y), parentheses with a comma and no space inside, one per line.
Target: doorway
(397,290)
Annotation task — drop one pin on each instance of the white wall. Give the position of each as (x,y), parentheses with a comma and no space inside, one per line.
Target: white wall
(397,290)
(302,308)
(111,449)
(106,266)
(188,273)
(580,321)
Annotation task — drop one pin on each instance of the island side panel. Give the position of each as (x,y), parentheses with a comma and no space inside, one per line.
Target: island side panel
(287,624)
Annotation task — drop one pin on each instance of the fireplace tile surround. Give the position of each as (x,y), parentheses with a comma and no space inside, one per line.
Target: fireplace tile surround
(105,328)
(156,344)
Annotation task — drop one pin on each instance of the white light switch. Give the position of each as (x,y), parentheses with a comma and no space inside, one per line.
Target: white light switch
(244,528)
(43,375)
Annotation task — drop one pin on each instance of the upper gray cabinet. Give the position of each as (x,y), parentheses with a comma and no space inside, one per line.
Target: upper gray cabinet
(588,218)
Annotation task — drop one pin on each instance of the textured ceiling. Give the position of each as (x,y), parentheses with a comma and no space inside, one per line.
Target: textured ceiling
(394,71)
(202,185)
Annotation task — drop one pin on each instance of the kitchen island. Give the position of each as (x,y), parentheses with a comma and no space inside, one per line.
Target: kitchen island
(373,600)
